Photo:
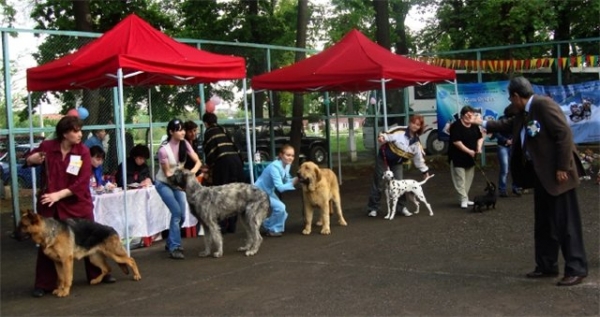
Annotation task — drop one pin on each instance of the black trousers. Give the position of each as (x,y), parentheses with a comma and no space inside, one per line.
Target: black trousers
(558,227)
(228,169)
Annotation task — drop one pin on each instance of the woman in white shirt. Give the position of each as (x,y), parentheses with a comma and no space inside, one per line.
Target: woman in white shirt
(172,155)
(398,145)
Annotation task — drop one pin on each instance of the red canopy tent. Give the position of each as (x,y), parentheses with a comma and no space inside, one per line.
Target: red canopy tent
(146,56)
(355,63)
(133,53)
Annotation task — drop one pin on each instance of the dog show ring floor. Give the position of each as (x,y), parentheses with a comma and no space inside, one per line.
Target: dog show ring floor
(455,263)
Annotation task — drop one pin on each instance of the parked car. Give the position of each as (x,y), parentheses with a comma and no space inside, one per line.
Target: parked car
(23,174)
(312,148)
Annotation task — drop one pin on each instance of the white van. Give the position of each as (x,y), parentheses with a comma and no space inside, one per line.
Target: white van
(421,99)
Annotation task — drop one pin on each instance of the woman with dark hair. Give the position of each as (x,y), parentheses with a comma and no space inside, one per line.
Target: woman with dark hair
(64,192)
(466,141)
(137,169)
(398,145)
(191,131)
(172,155)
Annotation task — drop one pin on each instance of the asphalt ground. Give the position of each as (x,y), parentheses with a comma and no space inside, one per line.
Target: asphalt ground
(456,263)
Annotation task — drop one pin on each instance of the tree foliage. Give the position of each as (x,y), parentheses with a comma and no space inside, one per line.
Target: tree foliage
(469,24)
(103,15)
(7,14)
(455,25)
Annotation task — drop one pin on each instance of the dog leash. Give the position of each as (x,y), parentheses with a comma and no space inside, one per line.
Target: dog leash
(481,170)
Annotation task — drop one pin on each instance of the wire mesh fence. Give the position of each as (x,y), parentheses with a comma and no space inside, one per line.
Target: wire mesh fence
(148,109)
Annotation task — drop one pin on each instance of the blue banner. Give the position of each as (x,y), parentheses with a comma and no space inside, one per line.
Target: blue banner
(579,102)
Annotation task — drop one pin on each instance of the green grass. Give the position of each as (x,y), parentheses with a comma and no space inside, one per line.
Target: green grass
(343,142)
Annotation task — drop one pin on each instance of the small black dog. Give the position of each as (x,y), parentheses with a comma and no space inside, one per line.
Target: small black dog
(487,200)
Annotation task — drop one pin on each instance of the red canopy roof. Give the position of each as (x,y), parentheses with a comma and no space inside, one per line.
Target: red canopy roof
(355,63)
(146,55)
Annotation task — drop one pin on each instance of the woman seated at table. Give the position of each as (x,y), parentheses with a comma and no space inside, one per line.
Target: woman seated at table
(137,169)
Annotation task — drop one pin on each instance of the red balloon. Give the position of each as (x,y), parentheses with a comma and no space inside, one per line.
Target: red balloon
(73,112)
(210,106)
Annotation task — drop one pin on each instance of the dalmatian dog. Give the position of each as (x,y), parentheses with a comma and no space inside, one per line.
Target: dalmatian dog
(396,188)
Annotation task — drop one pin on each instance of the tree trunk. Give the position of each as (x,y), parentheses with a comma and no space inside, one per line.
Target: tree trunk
(90,98)
(563,32)
(255,67)
(382,23)
(298,103)
(399,12)
(394,100)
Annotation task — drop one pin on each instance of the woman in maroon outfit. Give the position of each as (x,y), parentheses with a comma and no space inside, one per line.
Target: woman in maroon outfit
(65,192)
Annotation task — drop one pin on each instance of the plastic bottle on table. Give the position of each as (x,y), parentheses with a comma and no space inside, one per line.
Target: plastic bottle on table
(257,158)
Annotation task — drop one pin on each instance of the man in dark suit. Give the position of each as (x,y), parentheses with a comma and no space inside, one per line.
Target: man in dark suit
(543,151)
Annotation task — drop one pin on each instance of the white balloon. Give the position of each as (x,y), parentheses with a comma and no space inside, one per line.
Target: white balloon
(216,100)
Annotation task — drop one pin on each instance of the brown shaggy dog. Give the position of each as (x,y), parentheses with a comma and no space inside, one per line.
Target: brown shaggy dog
(320,190)
(64,241)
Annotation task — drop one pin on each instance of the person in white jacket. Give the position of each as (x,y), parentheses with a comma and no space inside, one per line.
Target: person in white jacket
(398,145)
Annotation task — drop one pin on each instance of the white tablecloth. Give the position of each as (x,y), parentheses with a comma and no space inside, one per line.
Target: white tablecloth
(147,213)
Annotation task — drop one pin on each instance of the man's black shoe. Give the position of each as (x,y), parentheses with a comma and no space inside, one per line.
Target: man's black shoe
(570,280)
(538,274)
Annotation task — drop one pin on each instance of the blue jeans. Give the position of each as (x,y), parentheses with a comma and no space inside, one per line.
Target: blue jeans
(375,193)
(503,156)
(175,201)
(276,221)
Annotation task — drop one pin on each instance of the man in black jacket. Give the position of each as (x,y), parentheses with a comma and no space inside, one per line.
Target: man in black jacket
(543,151)
(223,159)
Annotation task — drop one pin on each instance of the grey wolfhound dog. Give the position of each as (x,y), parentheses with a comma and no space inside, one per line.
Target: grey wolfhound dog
(211,204)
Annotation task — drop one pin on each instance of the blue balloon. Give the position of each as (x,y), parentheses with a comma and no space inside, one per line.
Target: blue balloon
(83,112)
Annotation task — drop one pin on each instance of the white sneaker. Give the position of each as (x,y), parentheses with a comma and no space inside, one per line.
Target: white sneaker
(406,212)
(464,205)
(372,213)
(470,203)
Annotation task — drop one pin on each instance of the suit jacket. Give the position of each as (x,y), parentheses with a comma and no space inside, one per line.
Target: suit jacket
(550,149)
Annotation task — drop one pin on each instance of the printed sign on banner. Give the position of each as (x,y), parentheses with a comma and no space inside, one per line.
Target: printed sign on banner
(489,99)
(579,102)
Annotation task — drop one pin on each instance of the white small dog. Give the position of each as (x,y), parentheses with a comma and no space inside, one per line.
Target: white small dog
(396,188)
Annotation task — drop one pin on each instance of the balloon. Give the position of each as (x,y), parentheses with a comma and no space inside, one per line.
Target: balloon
(82,112)
(372,100)
(210,106)
(216,100)
(73,112)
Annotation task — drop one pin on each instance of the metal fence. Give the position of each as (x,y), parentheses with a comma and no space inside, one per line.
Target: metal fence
(147,110)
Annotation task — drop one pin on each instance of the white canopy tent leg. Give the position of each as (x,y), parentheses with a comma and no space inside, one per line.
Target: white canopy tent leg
(248,146)
(253,123)
(153,165)
(123,149)
(32,170)
(339,151)
(383,97)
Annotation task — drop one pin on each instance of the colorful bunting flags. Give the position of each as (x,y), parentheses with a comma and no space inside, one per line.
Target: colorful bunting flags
(513,65)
